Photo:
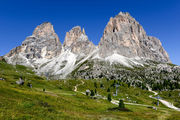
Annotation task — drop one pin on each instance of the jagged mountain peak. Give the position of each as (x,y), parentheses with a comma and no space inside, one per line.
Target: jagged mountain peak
(124,22)
(76,29)
(127,37)
(44,30)
(74,35)
(124,13)
(83,31)
(43,43)
(77,41)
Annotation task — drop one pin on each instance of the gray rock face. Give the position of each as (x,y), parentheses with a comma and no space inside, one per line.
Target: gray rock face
(77,42)
(125,36)
(44,43)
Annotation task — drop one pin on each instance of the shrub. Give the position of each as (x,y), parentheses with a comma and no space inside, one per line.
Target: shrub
(95,84)
(121,104)
(108,90)
(44,89)
(109,97)
(92,93)
(101,85)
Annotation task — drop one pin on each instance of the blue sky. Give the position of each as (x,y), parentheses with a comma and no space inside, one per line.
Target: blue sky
(18,18)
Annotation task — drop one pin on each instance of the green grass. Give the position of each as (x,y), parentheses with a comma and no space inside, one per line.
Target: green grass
(59,101)
(171,96)
(128,94)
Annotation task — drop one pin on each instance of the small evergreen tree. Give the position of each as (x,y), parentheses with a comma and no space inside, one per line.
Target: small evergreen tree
(101,85)
(87,93)
(108,90)
(95,84)
(92,93)
(109,97)
(121,104)
(143,86)
(169,95)
(129,84)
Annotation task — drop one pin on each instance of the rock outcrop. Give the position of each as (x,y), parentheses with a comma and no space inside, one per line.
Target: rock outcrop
(125,36)
(43,43)
(1,58)
(77,42)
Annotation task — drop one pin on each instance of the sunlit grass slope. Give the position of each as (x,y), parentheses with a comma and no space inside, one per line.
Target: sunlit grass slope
(59,101)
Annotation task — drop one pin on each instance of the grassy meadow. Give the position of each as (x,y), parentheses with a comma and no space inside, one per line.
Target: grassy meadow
(59,101)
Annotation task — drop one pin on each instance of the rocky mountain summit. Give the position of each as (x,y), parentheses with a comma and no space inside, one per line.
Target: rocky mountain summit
(43,43)
(123,47)
(77,42)
(123,35)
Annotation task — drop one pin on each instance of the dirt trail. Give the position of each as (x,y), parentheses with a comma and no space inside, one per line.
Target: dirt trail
(166,103)
(53,93)
(75,87)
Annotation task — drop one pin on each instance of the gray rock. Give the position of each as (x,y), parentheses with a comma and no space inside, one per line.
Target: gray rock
(2,79)
(125,36)
(20,82)
(77,42)
(29,85)
(161,73)
(1,58)
(44,43)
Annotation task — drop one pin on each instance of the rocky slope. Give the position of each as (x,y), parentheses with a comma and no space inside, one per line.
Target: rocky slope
(124,46)
(44,52)
(76,49)
(159,76)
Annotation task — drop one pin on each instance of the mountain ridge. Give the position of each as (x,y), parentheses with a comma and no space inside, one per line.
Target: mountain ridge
(124,42)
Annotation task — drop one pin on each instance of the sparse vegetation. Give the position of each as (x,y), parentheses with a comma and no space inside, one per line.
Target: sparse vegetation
(157,75)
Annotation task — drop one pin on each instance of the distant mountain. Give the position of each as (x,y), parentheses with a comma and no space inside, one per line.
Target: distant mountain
(124,52)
